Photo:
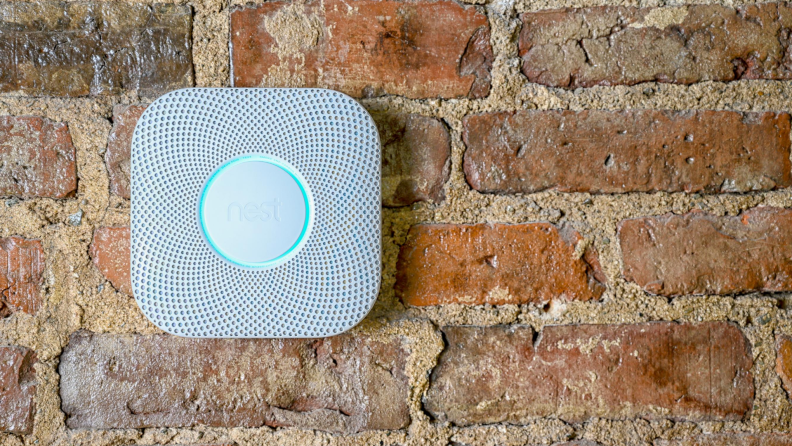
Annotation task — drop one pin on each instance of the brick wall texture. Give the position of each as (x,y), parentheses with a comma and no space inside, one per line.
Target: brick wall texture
(587,225)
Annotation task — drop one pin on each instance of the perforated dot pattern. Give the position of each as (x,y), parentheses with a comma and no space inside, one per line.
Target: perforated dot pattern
(180,282)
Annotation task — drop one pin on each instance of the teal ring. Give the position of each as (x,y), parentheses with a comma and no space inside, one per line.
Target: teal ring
(297,179)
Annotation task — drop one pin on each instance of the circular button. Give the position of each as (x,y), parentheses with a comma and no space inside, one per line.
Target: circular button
(255,211)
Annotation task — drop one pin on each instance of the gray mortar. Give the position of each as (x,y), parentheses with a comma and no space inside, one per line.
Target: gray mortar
(77,297)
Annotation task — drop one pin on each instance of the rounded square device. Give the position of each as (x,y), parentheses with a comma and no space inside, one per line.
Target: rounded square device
(255,212)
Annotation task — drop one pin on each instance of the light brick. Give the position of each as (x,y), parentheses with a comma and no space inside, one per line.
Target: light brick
(37,158)
(77,48)
(602,151)
(699,253)
(496,264)
(21,275)
(110,252)
(17,389)
(618,45)
(346,383)
(505,374)
(417,49)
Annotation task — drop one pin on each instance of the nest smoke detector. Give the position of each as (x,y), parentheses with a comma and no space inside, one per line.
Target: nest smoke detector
(255,213)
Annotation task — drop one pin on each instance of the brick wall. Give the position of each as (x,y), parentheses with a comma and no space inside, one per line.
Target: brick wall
(587,225)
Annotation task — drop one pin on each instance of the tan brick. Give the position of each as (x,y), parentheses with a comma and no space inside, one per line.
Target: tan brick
(495,264)
(37,158)
(731,439)
(17,389)
(110,251)
(119,147)
(576,372)
(602,151)
(77,49)
(425,48)
(21,275)
(416,158)
(617,45)
(346,383)
(699,253)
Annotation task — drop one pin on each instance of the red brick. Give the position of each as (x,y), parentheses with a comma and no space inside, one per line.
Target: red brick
(110,251)
(495,264)
(699,253)
(731,439)
(417,49)
(119,146)
(346,383)
(37,158)
(627,151)
(577,372)
(416,158)
(17,390)
(21,275)
(784,361)
(77,49)
(615,45)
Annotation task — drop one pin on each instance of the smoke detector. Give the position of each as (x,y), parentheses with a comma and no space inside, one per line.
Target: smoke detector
(255,213)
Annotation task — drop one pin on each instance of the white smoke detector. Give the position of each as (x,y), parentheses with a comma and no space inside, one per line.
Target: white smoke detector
(255,213)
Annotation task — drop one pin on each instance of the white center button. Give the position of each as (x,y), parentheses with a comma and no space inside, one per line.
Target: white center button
(255,211)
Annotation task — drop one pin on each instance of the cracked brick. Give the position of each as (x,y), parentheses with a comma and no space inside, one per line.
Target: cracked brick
(731,439)
(21,275)
(416,158)
(17,389)
(345,383)
(94,48)
(496,264)
(110,252)
(784,361)
(37,158)
(427,48)
(619,45)
(506,374)
(600,151)
(700,253)
(119,147)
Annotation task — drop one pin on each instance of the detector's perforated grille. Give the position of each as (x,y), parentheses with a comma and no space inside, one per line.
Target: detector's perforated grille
(182,285)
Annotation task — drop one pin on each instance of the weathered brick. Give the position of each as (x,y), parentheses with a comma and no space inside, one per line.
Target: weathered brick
(37,158)
(346,383)
(699,253)
(731,439)
(576,372)
(784,361)
(21,275)
(496,264)
(77,49)
(627,151)
(119,147)
(614,45)
(17,389)
(416,158)
(418,49)
(110,251)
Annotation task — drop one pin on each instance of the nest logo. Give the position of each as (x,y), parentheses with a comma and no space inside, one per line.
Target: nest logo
(256,211)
